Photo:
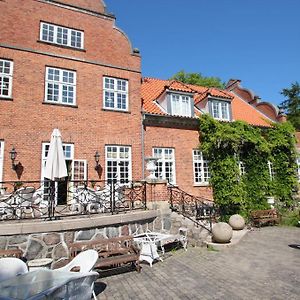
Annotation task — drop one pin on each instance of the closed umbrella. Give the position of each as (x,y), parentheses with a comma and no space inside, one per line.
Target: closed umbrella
(55,166)
(56,163)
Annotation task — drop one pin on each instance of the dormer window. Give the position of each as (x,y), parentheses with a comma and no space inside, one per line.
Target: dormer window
(220,109)
(181,105)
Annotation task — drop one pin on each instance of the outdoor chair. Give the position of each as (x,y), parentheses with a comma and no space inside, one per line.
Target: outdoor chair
(10,267)
(85,199)
(83,263)
(149,251)
(23,200)
(78,288)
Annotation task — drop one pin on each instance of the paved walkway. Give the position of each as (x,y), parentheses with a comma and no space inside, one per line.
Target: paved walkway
(261,266)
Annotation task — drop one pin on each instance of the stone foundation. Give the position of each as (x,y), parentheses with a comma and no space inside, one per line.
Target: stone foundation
(54,243)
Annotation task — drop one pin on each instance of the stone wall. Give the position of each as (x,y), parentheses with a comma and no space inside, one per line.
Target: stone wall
(55,244)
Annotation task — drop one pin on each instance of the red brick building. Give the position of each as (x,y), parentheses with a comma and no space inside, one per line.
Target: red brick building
(171,126)
(64,64)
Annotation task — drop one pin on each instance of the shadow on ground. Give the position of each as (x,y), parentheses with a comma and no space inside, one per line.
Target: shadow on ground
(99,287)
(295,246)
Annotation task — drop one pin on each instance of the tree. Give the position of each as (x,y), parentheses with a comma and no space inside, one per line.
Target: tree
(198,79)
(291,105)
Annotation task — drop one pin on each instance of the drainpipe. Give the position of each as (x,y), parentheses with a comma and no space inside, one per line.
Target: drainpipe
(143,144)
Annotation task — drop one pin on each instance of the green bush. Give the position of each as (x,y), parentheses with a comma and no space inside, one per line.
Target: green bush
(290,217)
(225,145)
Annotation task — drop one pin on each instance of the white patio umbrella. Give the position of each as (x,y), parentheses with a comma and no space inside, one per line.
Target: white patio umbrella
(56,163)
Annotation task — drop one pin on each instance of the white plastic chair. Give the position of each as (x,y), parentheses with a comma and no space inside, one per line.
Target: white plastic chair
(75,289)
(11,267)
(85,260)
(24,201)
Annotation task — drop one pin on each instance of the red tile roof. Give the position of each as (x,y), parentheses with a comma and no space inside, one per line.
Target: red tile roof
(152,88)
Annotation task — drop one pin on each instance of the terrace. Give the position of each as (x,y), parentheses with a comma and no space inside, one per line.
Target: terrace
(43,217)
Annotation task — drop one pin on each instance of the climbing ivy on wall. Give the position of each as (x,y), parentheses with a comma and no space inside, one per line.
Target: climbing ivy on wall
(226,145)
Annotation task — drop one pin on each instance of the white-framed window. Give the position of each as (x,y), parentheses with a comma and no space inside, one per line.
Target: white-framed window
(165,164)
(115,93)
(6,77)
(1,160)
(271,170)
(68,153)
(61,35)
(60,86)
(181,105)
(298,166)
(201,169)
(220,109)
(242,168)
(79,169)
(118,163)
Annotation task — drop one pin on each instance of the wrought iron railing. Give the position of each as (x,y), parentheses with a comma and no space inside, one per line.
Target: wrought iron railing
(200,210)
(56,199)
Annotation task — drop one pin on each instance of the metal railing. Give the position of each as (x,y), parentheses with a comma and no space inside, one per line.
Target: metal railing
(200,210)
(57,199)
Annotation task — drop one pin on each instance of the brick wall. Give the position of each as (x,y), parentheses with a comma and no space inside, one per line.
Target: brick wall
(93,5)
(268,110)
(26,121)
(157,191)
(183,141)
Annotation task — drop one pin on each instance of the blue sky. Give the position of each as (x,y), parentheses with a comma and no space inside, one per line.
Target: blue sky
(257,41)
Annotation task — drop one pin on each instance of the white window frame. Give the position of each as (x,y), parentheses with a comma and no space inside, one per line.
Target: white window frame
(166,159)
(61,35)
(60,84)
(120,161)
(112,93)
(271,170)
(181,105)
(68,154)
(242,168)
(79,172)
(298,166)
(6,75)
(220,109)
(1,160)
(200,168)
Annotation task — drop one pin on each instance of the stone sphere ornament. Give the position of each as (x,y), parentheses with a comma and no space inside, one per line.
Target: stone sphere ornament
(237,222)
(221,233)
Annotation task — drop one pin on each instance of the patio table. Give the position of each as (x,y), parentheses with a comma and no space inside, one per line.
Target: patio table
(43,283)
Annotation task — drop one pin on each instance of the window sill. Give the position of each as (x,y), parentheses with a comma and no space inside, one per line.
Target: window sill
(223,120)
(60,104)
(61,46)
(6,98)
(201,185)
(117,110)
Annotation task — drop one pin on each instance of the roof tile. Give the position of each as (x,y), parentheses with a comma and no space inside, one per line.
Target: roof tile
(152,88)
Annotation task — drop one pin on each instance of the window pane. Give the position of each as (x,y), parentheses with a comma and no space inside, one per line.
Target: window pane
(118,162)
(5,78)
(201,169)
(61,35)
(115,93)
(109,99)
(60,86)
(165,164)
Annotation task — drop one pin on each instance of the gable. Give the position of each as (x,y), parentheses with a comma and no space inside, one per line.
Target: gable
(97,6)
